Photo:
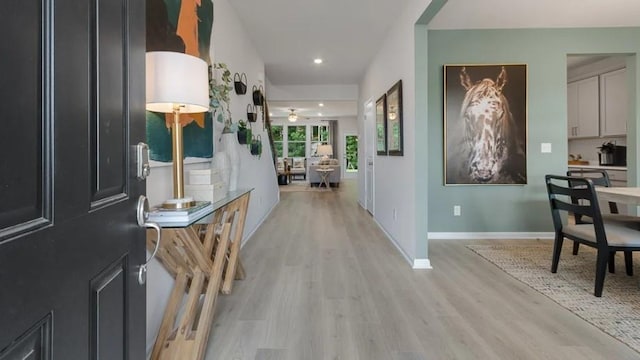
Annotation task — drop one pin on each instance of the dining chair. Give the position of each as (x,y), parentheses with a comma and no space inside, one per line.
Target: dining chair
(600,177)
(605,238)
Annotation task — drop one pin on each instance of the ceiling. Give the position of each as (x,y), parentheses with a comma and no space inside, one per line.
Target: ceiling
(311,110)
(289,34)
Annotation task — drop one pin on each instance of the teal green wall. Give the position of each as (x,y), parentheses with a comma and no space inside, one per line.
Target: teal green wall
(496,208)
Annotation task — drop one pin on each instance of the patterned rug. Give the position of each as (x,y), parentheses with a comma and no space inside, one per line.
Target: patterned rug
(617,312)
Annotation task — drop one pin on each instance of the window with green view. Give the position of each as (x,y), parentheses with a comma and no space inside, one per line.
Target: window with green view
(319,135)
(278,139)
(297,141)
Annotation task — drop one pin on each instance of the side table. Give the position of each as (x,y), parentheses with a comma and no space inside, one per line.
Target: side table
(324,176)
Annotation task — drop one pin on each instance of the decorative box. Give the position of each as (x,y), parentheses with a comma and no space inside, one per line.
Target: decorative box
(205,192)
(204,177)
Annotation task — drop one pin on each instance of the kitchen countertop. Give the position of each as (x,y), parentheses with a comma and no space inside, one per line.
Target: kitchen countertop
(599,167)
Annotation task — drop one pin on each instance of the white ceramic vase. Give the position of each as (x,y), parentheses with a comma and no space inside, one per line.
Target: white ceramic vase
(222,163)
(230,146)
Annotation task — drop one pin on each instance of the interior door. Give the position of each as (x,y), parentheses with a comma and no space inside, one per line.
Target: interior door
(369,148)
(72,94)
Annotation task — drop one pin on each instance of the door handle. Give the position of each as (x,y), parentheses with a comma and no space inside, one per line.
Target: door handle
(142,215)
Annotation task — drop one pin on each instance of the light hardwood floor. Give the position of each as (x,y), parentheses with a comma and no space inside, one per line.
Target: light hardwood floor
(323,282)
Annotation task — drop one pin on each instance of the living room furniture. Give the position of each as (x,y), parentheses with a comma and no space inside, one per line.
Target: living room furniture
(324,173)
(334,176)
(203,257)
(578,196)
(298,168)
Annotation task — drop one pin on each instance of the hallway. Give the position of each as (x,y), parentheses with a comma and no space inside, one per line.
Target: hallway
(323,282)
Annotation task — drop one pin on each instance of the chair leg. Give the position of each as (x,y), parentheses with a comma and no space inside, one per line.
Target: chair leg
(601,271)
(557,248)
(576,245)
(612,262)
(628,262)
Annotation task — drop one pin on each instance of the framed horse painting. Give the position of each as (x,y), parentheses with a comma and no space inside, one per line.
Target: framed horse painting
(485,124)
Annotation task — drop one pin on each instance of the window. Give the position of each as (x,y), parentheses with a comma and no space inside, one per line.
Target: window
(276,131)
(297,141)
(319,135)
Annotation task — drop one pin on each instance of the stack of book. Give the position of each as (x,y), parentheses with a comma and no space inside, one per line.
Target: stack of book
(206,185)
(180,217)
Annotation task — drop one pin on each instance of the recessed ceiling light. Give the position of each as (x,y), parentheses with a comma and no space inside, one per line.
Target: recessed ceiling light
(317,61)
(321,104)
(319,114)
(270,114)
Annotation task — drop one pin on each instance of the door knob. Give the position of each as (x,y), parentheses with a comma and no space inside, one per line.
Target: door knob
(142,217)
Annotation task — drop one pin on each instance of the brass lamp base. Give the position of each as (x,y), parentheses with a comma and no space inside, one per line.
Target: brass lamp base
(175,204)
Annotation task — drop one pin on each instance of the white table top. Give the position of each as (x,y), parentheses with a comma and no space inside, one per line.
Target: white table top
(327,170)
(625,195)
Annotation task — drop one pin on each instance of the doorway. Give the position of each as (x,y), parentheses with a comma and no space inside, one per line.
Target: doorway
(350,157)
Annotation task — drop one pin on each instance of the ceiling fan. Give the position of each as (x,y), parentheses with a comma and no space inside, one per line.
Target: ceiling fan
(293,117)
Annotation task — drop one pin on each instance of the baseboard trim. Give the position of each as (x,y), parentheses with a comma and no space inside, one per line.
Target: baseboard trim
(421,264)
(414,263)
(489,235)
(253,231)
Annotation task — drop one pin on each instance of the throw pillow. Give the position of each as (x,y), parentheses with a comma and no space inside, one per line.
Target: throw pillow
(298,163)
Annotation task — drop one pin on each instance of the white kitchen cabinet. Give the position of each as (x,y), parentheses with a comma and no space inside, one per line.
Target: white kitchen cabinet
(614,103)
(583,110)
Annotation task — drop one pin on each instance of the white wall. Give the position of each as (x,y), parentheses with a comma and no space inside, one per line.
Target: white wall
(395,181)
(231,45)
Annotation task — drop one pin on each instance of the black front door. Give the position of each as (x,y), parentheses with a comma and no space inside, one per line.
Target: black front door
(72,104)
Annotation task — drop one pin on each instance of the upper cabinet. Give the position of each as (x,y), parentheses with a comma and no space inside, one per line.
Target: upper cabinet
(583,111)
(614,103)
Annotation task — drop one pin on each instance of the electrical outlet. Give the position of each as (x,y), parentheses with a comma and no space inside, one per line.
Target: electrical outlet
(456,210)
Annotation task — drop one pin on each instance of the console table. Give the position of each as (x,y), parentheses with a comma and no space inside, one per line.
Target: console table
(203,257)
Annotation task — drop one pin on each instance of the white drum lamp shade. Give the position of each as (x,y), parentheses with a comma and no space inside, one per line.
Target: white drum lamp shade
(176,79)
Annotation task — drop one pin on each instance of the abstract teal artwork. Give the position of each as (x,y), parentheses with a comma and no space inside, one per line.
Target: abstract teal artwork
(183,26)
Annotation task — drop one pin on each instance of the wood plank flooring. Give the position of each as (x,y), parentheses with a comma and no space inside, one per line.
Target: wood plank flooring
(323,282)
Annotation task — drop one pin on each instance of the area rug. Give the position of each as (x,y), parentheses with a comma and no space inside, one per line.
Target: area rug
(617,312)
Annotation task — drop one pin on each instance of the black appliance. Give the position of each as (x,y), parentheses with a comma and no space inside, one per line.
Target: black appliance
(612,154)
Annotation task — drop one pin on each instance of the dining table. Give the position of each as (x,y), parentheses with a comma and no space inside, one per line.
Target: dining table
(625,195)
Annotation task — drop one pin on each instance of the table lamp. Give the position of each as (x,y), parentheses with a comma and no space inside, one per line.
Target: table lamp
(325,150)
(177,83)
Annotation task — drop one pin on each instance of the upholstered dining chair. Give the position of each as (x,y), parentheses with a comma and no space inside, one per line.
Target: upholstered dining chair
(600,177)
(563,191)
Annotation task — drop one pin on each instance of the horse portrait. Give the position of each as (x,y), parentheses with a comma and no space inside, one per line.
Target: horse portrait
(485,124)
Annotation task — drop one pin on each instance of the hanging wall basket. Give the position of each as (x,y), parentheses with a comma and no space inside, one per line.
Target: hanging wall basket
(256,145)
(252,114)
(258,97)
(240,83)
(244,136)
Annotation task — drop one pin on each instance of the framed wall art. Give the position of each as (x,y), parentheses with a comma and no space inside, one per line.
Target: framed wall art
(485,124)
(394,119)
(381,125)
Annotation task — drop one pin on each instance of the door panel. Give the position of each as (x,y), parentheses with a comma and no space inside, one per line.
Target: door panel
(22,189)
(109,122)
(35,344)
(69,243)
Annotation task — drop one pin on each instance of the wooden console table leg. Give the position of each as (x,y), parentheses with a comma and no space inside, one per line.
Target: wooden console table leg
(232,265)
(170,313)
(209,304)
